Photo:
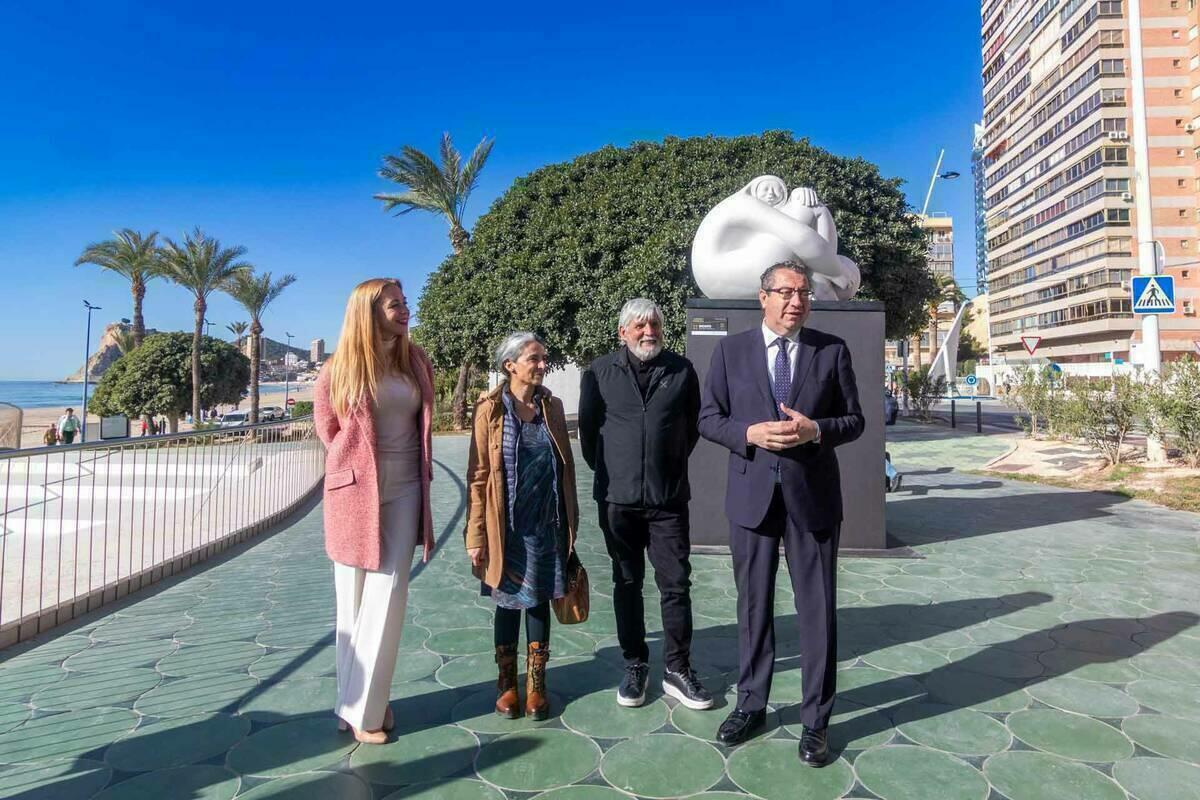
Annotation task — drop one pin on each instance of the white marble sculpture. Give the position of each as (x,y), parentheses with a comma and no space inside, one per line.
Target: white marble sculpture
(760,225)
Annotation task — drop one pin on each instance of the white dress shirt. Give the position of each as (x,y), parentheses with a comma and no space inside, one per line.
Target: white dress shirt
(793,352)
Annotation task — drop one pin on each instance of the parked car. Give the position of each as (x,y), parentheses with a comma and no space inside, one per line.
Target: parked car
(234,419)
(890,408)
(270,413)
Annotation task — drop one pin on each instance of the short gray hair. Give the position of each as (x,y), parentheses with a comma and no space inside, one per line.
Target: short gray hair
(639,309)
(767,280)
(512,347)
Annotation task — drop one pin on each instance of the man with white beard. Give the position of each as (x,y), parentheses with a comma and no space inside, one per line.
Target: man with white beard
(638,411)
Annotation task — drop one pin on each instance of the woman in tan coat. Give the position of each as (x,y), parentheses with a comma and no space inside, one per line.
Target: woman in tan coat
(521,514)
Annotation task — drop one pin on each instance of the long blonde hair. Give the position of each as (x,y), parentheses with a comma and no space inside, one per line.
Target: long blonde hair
(358,363)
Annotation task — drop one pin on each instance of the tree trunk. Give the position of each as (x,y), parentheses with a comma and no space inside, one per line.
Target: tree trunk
(916,350)
(255,343)
(459,238)
(139,324)
(173,423)
(458,402)
(201,308)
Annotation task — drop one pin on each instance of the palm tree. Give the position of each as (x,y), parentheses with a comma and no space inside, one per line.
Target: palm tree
(238,329)
(438,189)
(441,190)
(124,339)
(255,293)
(947,292)
(132,256)
(201,266)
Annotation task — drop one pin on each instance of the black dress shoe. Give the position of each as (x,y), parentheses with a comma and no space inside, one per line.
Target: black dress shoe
(814,746)
(739,726)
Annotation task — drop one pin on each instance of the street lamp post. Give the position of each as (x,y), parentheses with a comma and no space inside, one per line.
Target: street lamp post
(207,328)
(87,366)
(286,376)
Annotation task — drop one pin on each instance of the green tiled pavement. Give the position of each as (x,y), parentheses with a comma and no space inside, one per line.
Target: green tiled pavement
(1045,646)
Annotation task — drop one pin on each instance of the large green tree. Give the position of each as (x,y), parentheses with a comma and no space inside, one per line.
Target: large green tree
(255,293)
(134,257)
(202,266)
(156,378)
(565,246)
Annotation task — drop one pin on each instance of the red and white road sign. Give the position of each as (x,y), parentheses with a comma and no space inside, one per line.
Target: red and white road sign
(1031,343)
(291,401)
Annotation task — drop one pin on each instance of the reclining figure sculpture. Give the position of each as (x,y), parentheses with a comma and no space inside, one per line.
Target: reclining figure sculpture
(760,225)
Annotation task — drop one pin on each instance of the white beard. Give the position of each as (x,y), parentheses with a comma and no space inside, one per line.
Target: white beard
(646,352)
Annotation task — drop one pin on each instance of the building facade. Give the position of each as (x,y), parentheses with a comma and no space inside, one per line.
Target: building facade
(316,351)
(1058,174)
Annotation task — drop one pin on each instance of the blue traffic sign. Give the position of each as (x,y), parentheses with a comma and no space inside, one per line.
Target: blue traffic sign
(972,380)
(1153,294)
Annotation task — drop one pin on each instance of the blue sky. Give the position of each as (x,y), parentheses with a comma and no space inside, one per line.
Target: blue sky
(263,123)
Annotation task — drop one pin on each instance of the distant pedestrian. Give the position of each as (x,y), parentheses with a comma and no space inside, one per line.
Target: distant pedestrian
(68,426)
(145,427)
(50,437)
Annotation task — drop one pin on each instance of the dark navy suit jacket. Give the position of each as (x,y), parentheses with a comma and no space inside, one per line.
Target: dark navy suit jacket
(737,394)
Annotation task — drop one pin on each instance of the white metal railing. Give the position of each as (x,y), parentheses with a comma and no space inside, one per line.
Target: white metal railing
(81,525)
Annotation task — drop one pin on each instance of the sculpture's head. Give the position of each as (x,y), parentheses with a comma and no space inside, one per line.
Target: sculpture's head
(769,189)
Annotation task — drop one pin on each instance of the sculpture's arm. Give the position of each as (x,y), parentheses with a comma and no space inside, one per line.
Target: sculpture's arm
(825,226)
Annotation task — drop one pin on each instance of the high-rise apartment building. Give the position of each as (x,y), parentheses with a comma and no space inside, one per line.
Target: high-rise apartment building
(1059,184)
(316,351)
(940,260)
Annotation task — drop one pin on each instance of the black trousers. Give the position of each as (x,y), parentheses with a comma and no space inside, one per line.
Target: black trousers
(506,625)
(812,564)
(630,532)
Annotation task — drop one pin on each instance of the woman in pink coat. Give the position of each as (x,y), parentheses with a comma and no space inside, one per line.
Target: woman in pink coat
(374,412)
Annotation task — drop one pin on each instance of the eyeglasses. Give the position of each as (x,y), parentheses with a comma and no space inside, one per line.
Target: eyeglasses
(786,294)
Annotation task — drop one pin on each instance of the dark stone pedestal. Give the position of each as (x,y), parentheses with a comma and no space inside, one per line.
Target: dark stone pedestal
(860,324)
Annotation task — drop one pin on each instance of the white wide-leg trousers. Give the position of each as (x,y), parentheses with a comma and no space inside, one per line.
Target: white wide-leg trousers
(371,605)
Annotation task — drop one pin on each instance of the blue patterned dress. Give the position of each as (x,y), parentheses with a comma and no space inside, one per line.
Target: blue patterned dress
(534,567)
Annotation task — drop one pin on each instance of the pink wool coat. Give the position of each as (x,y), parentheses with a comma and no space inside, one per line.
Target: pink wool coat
(352,529)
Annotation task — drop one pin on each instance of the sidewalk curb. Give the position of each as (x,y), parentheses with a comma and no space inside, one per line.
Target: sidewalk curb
(1015,446)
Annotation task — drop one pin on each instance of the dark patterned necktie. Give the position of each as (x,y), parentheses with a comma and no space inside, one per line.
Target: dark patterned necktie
(783,372)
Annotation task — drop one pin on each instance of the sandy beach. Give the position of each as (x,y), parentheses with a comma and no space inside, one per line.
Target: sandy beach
(34,421)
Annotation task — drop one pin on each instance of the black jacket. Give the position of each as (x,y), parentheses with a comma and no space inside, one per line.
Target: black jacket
(639,449)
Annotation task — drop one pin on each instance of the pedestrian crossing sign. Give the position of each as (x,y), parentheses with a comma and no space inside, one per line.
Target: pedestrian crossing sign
(1153,294)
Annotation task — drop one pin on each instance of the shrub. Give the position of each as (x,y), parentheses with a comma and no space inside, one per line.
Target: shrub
(303,408)
(1173,406)
(1103,412)
(922,392)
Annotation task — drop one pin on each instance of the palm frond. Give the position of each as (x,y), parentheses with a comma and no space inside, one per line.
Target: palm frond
(470,174)
(256,292)
(200,264)
(129,254)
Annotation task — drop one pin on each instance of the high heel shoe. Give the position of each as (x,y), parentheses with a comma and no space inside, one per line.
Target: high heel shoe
(369,737)
(389,722)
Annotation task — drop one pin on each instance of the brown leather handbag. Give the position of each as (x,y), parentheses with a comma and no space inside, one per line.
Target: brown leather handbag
(572,607)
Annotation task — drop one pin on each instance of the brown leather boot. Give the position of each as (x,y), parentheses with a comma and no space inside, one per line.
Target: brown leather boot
(508,704)
(537,703)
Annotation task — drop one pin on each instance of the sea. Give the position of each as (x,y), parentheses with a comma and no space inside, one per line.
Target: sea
(52,394)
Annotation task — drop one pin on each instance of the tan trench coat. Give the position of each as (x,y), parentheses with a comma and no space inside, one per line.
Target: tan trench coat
(486,486)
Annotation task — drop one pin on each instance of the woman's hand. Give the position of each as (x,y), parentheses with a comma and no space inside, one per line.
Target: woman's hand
(478,556)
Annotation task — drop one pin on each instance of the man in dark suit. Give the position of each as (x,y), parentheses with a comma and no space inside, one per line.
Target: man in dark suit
(780,398)
(637,425)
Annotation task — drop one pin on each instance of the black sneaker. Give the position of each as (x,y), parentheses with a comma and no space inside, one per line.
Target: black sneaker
(632,691)
(685,687)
